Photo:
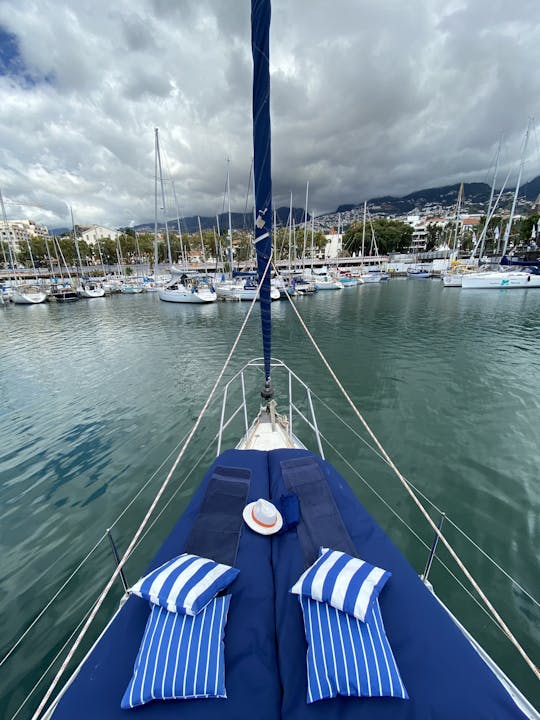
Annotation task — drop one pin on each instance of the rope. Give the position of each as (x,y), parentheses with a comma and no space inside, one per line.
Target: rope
(433,505)
(417,502)
(151,509)
(413,532)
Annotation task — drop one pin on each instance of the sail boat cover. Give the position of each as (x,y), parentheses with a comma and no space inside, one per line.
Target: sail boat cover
(260,45)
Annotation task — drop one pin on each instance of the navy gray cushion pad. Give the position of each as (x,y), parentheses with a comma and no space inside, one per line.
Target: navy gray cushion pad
(265,646)
(417,627)
(250,642)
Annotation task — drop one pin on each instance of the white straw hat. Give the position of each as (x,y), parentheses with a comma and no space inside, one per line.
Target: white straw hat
(263,517)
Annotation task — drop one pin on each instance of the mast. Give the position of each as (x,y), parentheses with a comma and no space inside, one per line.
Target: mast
(458,212)
(274,240)
(305,228)
(12,252)
(202,243)
(163,200)
(514,202)
(182,259)
(290,234)
(312,235)
(155,204)
(483,234)
(230,219)
(76,241)
(260,45)
(364,232)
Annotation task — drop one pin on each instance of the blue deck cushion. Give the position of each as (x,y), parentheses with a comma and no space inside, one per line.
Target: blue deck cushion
(185,584)
(346,583)
(346,656)
(181,656)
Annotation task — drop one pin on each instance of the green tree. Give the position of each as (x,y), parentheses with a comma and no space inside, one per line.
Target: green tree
(390,235)
(433,236)
(108,251)
(526,227)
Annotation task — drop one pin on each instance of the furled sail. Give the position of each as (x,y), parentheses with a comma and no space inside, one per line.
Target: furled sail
(260,45)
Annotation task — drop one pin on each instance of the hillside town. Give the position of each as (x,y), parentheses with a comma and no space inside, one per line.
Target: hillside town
(435,225)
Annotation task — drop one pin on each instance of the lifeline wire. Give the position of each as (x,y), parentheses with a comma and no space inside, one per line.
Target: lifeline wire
(417,502)
(433,505)
(152,507)
(84,560)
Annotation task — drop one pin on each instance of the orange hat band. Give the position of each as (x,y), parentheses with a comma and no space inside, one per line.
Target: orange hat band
(266,525)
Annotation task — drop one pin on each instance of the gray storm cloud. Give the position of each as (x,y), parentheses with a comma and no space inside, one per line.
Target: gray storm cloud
(367,99)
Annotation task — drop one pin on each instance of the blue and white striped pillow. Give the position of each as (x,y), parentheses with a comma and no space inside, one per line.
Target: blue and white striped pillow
(185,584)
(180,656)
(346,656)
(348,584)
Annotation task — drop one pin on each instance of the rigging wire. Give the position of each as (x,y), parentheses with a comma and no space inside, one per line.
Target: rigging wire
(180,486)
(50,665)
(153,505)
(87,556)
(416,501)
(413,532)
(433,505)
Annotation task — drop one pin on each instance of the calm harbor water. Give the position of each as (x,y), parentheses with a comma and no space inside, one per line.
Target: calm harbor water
(95,396)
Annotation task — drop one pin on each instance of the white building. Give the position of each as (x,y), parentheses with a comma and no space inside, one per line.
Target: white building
(20,231)
(334,244)
(97,232)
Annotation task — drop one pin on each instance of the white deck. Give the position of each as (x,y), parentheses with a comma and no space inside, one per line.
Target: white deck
(267,435)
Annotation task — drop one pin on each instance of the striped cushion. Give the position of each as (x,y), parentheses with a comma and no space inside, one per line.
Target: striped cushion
(346,656)
(185,584)
(346,583)
(180,656)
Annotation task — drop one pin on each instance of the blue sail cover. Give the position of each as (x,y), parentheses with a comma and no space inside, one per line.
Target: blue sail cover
(260,46)
(265,643)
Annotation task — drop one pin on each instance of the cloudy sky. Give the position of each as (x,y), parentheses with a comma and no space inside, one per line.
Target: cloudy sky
(369,97)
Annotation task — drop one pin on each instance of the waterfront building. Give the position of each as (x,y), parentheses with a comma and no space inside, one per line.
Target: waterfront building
(21,231)
(97,232)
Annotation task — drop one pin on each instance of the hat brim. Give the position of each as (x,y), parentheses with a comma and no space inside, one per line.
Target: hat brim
(248,519)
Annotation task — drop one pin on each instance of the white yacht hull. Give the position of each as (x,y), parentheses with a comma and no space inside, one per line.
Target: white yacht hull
(131,289)
(20,297)
(91,292)
(233,291)
(187,295)
(328,285)
(452,280)
(500,280)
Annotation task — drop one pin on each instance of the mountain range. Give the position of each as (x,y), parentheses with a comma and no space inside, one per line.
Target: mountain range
(475,195)
(239,221)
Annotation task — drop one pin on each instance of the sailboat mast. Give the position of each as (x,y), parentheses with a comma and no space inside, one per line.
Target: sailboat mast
(182,260)
(260,46)
(76,240)
(312,236)
(156,131)
(230,219)
(163,200)
(458,212)
(514,202)
(290,234)
(11,250)
(483,234)
(305,227)
(202,242)
(364,232)
(274,240)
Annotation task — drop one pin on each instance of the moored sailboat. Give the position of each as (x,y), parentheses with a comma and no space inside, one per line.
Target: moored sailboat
(28,295)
